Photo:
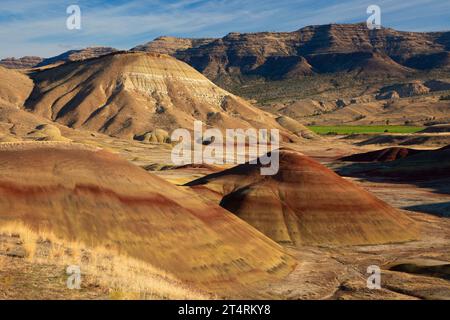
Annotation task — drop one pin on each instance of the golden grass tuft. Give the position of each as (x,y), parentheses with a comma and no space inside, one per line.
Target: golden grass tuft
(124,277)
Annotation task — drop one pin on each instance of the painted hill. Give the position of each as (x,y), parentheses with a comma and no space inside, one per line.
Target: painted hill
(76,55)
(171,45)
(306,204)
(21,63)
(68,56)
(131,94)
(93,197)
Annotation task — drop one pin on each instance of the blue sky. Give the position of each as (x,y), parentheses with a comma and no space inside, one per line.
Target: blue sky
(38,27)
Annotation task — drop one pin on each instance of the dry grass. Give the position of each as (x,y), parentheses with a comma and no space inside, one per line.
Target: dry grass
(124,277)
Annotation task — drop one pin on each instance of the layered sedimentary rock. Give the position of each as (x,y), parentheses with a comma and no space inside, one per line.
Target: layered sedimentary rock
(91,196)
(129,94)
(320,49)
(68,56)
(21,63)
(306,204)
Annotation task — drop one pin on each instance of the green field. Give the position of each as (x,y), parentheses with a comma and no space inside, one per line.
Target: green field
(364,129)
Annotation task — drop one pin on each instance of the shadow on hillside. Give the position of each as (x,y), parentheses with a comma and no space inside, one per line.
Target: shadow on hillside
(439,209)
(439,183)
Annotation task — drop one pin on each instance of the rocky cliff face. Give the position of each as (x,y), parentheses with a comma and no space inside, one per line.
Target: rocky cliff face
(20,63)
(320,49)
(77,55)
(97,198)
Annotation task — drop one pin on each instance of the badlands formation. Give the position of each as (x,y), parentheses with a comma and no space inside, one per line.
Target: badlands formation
(86,175)
(94,197)
(131,94)
(310,50)
(332,74)
(306,204)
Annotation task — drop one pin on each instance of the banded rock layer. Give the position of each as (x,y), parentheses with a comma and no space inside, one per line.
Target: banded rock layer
(129,94)
(92,196)
(306,204)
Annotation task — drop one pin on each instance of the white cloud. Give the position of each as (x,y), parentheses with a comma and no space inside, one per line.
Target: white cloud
(38,27)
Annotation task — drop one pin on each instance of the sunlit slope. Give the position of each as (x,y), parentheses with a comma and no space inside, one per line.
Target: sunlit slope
(15,87)
(306,203)
(128,94)
(94,197)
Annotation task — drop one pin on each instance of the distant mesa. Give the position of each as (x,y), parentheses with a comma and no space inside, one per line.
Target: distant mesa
(273,56)
(77,55)
(311,50)
(15,87)
(68,56)
(171,45)
(93,197)
(21,63)
(306,204)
